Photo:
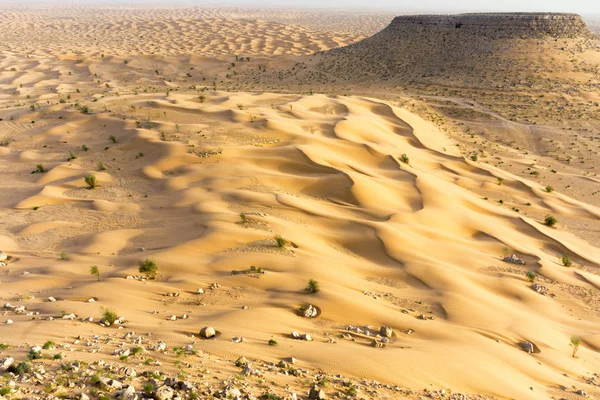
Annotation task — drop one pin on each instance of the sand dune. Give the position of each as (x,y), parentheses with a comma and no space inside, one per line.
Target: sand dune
(359,216)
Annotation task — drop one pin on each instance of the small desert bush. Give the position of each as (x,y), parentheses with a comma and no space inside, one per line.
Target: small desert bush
(273,343)
(549,189)
(575,342)
(281,242)
(148,267)
(404,158)
(72,156)
(313,286)
(109,315)
(94,270)
(113,138)
(243,218)
(49,345)
(101,166)
(566,261)
(531,276)
(39,169)
(550,220)
(91,181)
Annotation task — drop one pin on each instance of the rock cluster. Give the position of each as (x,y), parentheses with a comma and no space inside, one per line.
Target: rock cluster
(513,259)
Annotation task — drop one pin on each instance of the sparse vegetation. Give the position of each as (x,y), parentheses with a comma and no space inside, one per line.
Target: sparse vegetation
(72,156)
(404,158)
(91,181)
(531,276)
(149,268)
(243,218)
(550,221)
(566,261)
(113,138)
(94,270)
(549,189)
(39,169)
(49,345)
(101,166)
(500,180)
(109,315)
(313,286)
(63,255)
(273,343)
(575,342)
(281,242)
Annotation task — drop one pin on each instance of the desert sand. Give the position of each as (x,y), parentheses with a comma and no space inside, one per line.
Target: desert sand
(402,204)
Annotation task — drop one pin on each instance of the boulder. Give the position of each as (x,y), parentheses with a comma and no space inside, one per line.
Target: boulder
(513,259)
(207,332)
(386,331)
(6,362)
(164,393)
(316,393)
(110,384)
(310,312)
(129,393)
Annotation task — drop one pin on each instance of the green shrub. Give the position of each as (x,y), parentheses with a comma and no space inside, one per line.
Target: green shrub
(273,343)
(313,286)
(39,169)
(243,217)
(94,270)
(85,147)
(281,242)
(575,342)
(109,315)
(21,368)
(148,267)
(531,276)
(404,158)
(566,261)
(101,166)
(34,355)
(91,181)
(72,156)
(549,189)
(550,220)
(113,138)
(49,345)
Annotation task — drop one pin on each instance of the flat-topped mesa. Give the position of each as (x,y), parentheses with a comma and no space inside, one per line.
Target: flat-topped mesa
(496,25)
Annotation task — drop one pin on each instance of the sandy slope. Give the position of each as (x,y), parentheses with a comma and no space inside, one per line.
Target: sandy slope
(326,174)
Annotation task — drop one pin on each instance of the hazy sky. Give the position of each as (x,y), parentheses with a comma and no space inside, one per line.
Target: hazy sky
(576,6)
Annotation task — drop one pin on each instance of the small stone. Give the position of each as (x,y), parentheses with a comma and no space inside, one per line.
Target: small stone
(527,346)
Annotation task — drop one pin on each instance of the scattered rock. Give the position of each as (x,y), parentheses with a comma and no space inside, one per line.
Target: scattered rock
(527,346)
(310,312)
(386,331)
(164,393)
(6,362)
(316,393)
(513,259)
(207,332)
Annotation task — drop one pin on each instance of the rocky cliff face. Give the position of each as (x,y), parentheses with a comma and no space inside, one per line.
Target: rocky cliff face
(495,26)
